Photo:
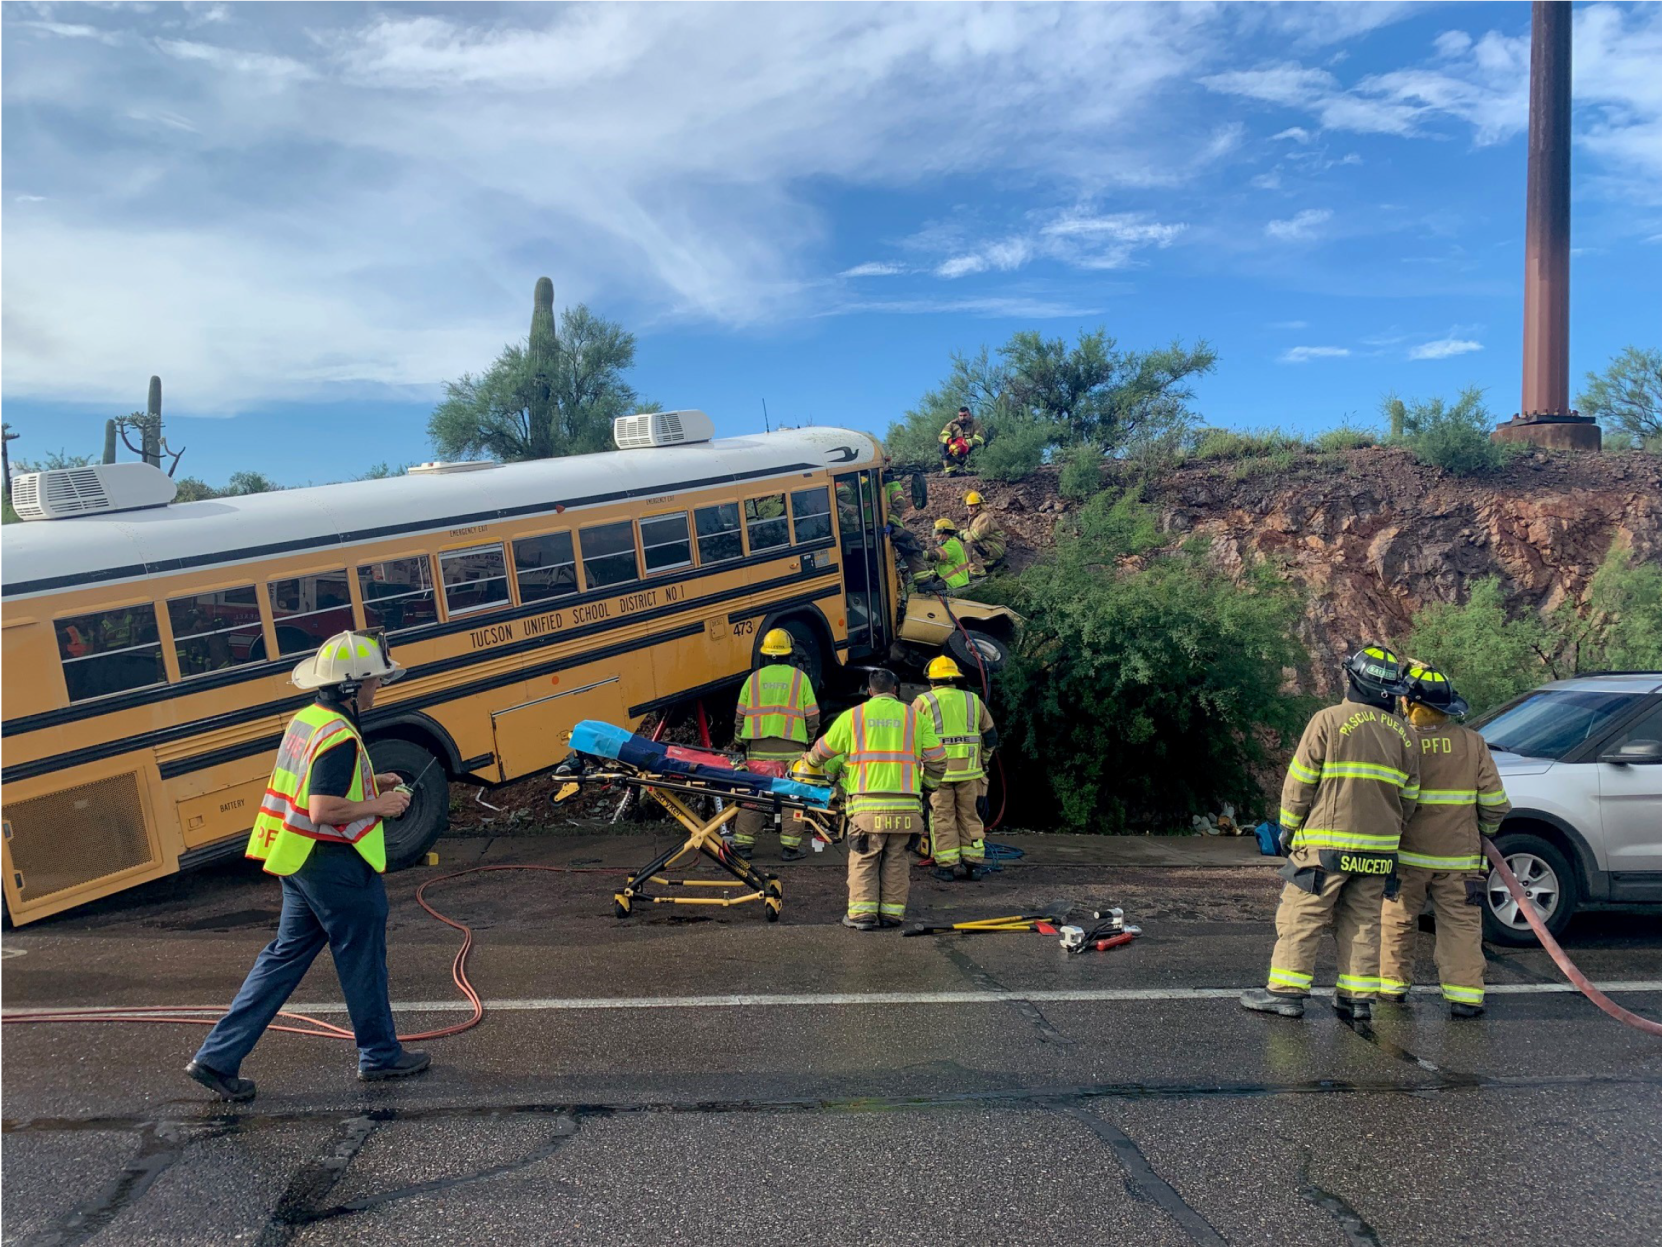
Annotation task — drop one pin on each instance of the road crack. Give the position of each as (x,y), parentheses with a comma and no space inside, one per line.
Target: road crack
(978,976)
(1144,1180)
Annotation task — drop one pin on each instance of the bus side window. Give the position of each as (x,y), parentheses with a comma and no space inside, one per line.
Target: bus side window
(665,543)
(308,610)
(213,631)
(718,533)
(110,651)
(811,515)
(546,567)
(608,554)
(474,579)
(398,594)
(764,519)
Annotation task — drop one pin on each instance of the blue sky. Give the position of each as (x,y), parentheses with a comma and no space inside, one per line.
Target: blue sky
(305,217)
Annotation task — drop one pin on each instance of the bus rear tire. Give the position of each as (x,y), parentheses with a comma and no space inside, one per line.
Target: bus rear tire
(805,651)
(428,817)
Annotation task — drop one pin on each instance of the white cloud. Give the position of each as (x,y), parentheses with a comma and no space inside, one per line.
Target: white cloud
(1452,43)
(873,268)
(1270,181)
(1301,226)
(1298,134)
(1444,348)
(230,60)
(1007,307)
(1304,354)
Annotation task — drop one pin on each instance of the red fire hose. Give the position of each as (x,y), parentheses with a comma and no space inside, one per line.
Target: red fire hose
(1557,954)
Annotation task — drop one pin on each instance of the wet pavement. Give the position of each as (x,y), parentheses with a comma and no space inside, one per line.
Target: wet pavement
(704,1075)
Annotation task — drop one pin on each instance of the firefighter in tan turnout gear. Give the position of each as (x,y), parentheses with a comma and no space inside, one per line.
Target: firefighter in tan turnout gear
(890,753)
(1351,785)
(966,729)
(776,717)
(1461,800)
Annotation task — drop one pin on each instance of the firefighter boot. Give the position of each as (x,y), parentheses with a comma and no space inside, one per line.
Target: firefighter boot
(1355,1010)
(1458,1010)
(1262,1000)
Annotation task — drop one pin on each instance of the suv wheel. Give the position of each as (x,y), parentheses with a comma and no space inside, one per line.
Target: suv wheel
(1548,880)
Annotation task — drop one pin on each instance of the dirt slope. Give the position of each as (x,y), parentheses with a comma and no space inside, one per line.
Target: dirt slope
(1371,535)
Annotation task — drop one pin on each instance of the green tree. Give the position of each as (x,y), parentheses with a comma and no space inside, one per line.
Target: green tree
(1090,392)
(1172,683)
(555,395)
(1490,656)
(1627,397)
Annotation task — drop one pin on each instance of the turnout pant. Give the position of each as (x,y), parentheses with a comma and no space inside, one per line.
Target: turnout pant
(334,899)
(1459,934)
(879,868)
(1351,904)
(955,824)
(749,822)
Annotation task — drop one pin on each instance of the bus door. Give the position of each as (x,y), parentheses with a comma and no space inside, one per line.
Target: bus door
(864,585)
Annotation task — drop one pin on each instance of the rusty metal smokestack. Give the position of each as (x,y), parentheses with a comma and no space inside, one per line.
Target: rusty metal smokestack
(1546,347)
(1545,417)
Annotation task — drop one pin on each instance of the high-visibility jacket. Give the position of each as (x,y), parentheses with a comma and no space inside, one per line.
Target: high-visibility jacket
(1460,796)
(897,499)
(777,706)
(1353,780)
(960,717)
(283,830)
(955,431)
(952,564)
(891,753)
(986,537)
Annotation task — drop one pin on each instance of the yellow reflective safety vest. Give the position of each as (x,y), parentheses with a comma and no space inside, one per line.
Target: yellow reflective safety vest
(952,564)
(891,753)
(283,831)
(959,717)
(775,704)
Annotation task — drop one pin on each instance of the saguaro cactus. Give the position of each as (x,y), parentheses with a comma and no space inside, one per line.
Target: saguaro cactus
(542,350)
(109,441)
(153,425)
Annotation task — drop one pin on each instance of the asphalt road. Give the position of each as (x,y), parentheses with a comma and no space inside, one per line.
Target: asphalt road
(698,1076)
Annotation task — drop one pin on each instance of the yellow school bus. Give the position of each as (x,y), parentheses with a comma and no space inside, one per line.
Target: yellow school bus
(147,650)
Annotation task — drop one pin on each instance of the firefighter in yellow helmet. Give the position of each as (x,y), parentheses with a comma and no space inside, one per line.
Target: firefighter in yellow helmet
(1353,781)
(951,561)
(891,754)
(1461,801)
(965,727)
(776,717)
(986,539)
(319,831)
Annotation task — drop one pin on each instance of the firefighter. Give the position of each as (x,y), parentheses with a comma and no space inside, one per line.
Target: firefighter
(960,436)
(776,717)
(1461,800)
(986,538)
(1351,785)
(319,831)
(965,727)
(908,550)
(952,564)
(890,754)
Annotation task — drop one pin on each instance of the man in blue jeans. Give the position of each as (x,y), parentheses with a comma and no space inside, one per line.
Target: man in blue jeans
(319,831)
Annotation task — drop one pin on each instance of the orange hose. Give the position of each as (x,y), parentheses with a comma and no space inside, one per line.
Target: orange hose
(317,1028)
(1557,954)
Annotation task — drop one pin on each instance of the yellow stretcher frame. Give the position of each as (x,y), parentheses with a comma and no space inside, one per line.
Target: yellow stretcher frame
(703,840)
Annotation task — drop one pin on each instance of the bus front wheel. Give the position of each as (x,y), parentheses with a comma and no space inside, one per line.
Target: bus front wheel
(428,817)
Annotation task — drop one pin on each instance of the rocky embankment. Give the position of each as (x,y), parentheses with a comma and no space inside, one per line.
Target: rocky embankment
(1371,535)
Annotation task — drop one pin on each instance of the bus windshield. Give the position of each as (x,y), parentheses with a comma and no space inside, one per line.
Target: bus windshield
(1548,724)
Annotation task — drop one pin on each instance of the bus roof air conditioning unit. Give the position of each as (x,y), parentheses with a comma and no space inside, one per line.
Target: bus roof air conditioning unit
(63,493)
(436,468)
(662,428)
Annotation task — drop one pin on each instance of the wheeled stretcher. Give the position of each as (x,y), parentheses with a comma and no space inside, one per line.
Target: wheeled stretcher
(675,775)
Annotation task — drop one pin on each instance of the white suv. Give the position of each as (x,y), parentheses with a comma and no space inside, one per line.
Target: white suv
(1582,763)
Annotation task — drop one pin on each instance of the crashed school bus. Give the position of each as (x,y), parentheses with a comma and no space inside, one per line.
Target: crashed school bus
(147,647)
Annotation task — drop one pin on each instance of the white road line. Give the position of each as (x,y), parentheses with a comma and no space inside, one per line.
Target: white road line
(835,999)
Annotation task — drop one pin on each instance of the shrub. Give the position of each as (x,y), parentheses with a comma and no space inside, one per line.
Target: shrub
(1015,448)
(1081,475)
(1171,669)
(1455,439)
(1345,437)
(1241,443)
(1490,656)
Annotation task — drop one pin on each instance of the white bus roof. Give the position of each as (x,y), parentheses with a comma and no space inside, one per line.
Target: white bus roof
(47,555)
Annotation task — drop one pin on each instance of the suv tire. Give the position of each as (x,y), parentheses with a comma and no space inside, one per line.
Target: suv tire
(1545,872)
